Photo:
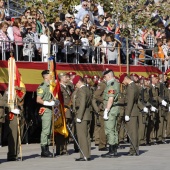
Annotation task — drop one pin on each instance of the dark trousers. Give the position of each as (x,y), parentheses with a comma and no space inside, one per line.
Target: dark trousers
(7,56)
(20,52)
(83,135)
(132,128)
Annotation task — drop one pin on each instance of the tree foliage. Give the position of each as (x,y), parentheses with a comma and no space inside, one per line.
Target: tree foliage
(133,14)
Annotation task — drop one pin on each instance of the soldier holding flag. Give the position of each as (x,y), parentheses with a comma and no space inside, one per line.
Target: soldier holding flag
(44,97)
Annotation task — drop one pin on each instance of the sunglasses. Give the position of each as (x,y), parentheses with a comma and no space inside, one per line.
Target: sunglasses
(84,5)
(82,32)
(29,18)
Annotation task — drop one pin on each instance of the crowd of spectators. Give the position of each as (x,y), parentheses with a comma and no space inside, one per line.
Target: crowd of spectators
(87,36)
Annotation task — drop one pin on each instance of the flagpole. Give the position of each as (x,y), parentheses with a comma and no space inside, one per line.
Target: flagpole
(127,56)
(49,45)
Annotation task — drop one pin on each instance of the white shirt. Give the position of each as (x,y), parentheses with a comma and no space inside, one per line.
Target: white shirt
(10,33)
(44,39)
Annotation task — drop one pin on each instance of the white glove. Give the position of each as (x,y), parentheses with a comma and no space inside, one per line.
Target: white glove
(16,111)
(105,117)
(169,108)
(46,103)
(164,103)
(145,109)
(127,118)
(78,120)
(153,109)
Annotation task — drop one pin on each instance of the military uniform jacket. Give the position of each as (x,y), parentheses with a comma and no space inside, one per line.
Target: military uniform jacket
(163,94)
(71,86)
(97,100)
(154,96)
(44,92)
(83,103)
(122,102)
(65,90)
(132,100)
(112,90)
(143,98)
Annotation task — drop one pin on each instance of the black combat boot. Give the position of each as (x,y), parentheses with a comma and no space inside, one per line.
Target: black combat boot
(110,154)
(115,150)
(47,149)
(44,152)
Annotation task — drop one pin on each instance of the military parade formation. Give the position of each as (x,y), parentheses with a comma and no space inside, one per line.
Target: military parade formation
(108,110)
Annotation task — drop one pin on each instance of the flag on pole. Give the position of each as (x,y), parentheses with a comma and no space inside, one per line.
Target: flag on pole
(15,84)
(59,114)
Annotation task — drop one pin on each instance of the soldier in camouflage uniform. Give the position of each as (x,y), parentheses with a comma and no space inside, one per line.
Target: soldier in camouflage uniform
(111,113)
(45,99)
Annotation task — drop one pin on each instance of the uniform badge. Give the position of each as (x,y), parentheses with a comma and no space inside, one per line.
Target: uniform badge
(111,92)
(40,91)
(42,110)
(11,116)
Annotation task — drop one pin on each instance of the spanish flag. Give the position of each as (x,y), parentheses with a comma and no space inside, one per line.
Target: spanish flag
(15,85)
(59,114)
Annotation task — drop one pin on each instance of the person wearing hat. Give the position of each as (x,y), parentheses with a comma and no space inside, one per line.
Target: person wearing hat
(111,112)
(153,98)
(134,77)
(70,78)
(83,116)
(87,79)
(68,19)
(45,99)
(97,103)
(163,108)
(131,112)
(61,141)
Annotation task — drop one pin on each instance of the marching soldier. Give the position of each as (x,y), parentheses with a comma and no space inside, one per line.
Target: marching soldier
(45,99)
(83,116)
(111,113)
(154,115)
(144,106)
(97,103)
(168,115)
(131,112)
(163,109)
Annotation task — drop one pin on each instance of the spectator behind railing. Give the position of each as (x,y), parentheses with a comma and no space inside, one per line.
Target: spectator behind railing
(37,43)
(5,47)
(83,11)
(18,44)
(3,12)
(44,47)
(166,50)
(112,50)
(149,39)
(86,21)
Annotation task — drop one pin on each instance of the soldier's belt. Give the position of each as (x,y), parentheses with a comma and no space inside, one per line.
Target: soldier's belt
(1,107)
(120,104)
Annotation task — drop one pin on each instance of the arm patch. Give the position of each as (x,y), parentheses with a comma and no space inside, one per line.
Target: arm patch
(111,92)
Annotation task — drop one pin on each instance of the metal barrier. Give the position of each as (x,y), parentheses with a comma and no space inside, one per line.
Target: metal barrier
(78,53)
